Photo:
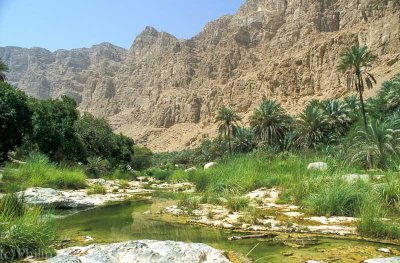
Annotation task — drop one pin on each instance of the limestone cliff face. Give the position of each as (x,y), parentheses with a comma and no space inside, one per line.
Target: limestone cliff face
(164,92)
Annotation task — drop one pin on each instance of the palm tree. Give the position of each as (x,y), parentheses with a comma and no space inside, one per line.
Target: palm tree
(390,92)
(352,104)
(244,140)
(228,123)
(337,116)
(3,70)
(311,126)
(380,142)
(269,122)
(355,62)
(376,107)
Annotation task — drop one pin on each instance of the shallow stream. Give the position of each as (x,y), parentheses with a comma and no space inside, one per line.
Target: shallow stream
(128,221)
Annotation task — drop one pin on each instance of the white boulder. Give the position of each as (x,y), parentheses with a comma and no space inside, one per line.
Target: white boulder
(352,178)
(142,251)
(318,166)
(191,169)
(209,165)
(384,250)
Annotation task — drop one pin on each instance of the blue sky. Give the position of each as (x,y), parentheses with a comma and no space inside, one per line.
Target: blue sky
(67,24)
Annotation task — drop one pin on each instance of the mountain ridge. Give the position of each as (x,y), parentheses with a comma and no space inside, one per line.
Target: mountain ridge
(164,91)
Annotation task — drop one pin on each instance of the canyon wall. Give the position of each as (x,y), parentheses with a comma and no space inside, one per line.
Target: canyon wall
(164,91)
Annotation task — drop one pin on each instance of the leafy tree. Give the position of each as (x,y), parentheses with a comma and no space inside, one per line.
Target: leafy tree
(212,149)
(3,70)
(142,157)
(99,141)
(122,151)
(15,116)
(228,123)
(311,126)
(269,122)
(96,136)
(355,62)
(377,145)
(53,128)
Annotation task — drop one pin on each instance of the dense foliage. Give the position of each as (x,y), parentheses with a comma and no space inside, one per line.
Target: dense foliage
(3,70)
(55,129)
(15,118)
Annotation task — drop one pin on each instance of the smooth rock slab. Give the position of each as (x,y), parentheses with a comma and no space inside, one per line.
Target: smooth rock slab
(383,260)
(143,251)
(48,197)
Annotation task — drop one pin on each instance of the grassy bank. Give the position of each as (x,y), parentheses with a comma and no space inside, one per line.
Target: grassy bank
(323,193)
(24,230)
(40,172)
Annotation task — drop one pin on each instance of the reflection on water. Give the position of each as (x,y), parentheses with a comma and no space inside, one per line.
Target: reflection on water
(127,221)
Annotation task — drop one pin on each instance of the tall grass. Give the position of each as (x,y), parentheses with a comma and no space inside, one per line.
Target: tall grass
(97,190)
(243,173)
(371,222)
(179,176)
(337,199)
(322,193)
(24,230)
(40,172)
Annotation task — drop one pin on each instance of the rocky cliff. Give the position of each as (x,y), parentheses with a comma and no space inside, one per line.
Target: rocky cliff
(164,91)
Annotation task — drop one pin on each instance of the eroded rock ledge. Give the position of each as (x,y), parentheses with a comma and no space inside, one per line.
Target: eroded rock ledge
(114,192)
(143,251)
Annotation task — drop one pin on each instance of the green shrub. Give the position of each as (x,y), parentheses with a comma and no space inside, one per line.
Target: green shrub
(39,172)
(236,203)
(189,202)
(121,175)
(179,176)
(142,158)
(390,193)
(252,215)
(24,230)
(159,174)
(97,190)
(371,223)
(123,184)
(201,179)
(336,199)
(212,198)
(11,206)
(97,167)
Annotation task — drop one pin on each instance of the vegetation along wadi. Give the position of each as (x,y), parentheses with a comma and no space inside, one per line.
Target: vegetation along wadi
(256,131)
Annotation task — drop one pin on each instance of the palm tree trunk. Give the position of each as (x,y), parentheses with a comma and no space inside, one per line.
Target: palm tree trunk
(363,111)
(229,141)
(360,92)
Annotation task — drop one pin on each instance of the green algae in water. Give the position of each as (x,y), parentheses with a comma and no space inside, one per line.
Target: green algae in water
(127,221)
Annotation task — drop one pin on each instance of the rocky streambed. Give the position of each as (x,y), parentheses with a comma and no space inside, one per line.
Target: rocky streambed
(270,216)
(105,232)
